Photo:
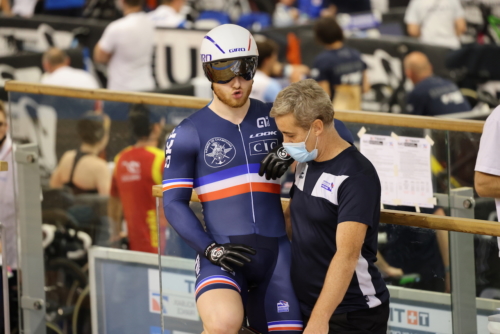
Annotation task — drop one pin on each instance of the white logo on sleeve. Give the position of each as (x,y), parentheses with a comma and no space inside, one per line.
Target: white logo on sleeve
(283,306)
(327,187)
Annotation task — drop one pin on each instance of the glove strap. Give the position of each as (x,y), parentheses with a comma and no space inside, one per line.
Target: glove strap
(209,248)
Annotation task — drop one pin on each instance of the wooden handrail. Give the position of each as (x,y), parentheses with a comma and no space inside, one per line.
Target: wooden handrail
(108,95)
(465,225)
(364,117)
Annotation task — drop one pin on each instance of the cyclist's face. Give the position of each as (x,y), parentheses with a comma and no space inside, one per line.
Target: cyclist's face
(234,93)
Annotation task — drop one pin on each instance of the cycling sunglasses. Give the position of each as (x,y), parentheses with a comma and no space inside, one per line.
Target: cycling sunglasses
(226,70)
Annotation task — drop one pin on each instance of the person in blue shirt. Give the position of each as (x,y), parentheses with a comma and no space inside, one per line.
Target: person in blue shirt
(334,216)
(266,88)
(338,64)
(432,95)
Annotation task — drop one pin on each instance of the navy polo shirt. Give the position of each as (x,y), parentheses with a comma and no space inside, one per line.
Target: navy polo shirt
(340,66)
(436,96)
(326,194)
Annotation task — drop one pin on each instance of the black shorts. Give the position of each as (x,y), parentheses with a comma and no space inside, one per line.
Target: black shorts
(369,321)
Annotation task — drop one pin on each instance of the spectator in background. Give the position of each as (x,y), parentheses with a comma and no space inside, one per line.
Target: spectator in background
(338,64)
(5,7)
(82,170)
(266,88)
(436,22)
(487,175)
(168,14)
(8,218)
(286,15)
(137,169)
(432,95)
(126,46)
(56,63)
(411,250)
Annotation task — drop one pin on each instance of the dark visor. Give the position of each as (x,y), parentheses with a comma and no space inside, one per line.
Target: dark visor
(226,70)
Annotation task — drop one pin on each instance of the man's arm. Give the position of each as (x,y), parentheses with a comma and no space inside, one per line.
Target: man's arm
(349,239)
(413,30)
(386,268)
(181,150)
(487,185)
(460,26)
(101,56)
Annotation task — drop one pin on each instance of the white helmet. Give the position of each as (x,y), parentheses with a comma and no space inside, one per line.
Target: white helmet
(228,41)
(229,51)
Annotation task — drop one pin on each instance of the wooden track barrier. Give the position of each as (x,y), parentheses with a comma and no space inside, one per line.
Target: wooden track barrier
(166,100)
(465,225)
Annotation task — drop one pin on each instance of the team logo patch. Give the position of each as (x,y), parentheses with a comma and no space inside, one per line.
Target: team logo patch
(283,154)
(327,185)
(283,306)
(219,152)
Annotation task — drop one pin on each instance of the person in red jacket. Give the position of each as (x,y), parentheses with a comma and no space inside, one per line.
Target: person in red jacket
(137,169)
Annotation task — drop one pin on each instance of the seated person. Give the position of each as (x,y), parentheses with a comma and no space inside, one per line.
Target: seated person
(82,170)
(168,14)
(412,250)
(338,64)
(56,63)
(286,15)
(432,95)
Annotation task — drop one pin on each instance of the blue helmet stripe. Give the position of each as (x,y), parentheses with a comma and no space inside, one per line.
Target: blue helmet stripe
(217,45)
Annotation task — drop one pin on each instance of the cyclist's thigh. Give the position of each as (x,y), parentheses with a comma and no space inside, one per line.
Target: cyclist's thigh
(219,296)
(272,306)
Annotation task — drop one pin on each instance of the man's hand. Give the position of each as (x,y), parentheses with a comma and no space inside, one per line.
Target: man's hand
(393,272)
(316,327)
(226,254)
(276,163)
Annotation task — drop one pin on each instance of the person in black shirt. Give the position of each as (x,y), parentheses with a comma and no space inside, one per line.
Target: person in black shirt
(338,64)
(334,215)
(432,95)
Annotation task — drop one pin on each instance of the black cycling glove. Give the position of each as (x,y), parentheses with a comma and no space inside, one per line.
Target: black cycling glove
(276,163)
(225,254)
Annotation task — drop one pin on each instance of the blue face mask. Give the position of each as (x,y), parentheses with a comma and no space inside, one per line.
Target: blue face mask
(299,152)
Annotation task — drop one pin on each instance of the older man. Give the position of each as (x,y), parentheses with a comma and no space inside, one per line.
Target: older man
(432,95)
(58,71)
(335,211)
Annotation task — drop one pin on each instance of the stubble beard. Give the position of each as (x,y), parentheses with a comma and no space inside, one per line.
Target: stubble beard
(229,101)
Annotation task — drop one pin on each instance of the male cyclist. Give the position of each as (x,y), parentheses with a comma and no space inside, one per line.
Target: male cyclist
(243,263)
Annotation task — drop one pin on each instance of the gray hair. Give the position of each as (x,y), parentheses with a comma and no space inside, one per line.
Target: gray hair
(307,101)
